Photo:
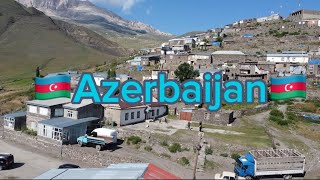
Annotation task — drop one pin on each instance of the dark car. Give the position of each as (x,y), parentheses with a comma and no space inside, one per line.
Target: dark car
(68,166)
(6,161)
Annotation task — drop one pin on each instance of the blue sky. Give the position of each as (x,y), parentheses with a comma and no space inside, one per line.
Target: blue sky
(181,16)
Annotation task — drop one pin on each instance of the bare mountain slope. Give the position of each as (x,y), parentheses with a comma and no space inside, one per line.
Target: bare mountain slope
(29,39)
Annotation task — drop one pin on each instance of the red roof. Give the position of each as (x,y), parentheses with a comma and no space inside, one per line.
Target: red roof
(155,172)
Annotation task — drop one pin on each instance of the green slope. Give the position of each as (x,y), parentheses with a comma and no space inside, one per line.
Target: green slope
(28,40)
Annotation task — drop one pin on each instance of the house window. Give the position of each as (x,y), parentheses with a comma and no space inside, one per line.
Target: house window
(70,114)
(126,116)
(56,134)
(206,116)
(138,114)
(44,130)
(33,109)
(43,111)
(132,115)
(158,112)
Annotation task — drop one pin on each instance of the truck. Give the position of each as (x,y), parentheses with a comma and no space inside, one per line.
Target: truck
(226,175)
(258,164)
(99,138)
(6,161)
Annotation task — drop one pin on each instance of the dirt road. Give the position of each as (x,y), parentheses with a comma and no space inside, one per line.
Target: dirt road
(27,164)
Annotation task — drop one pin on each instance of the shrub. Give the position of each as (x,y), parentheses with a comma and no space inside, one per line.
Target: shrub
(209,164)
(148,148)
(30,132)
(235,156)
(208,151)
(175,147)
(164,143)
(184,161)
(134,139)
(277,113)
(224,154)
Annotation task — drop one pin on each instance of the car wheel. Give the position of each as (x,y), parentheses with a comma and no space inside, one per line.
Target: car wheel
(98,147)
(80,143)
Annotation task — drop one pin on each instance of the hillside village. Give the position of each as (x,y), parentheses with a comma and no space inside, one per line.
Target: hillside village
(168,135)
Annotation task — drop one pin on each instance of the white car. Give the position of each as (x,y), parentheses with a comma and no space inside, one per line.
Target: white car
(228,176)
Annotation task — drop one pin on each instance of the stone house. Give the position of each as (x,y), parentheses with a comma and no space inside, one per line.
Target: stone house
(14,121)
(207,117)
(38,110)
(125,114)
(229,56)
(150,60)
(83,110)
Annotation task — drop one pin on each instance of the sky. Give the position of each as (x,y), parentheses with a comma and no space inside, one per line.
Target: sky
(180,16)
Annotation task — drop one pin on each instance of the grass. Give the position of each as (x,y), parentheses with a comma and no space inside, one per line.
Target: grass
(175,147)
(254,136)
(209,165)
(148,148)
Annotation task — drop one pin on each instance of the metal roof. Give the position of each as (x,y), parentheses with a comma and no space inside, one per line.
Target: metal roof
(228,53)
(63,122)
(287,55)
(16,114)
(114,171)
(314,62)
(50,102)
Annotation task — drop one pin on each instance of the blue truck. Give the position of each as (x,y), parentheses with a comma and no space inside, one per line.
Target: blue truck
(270,163)
(99,138)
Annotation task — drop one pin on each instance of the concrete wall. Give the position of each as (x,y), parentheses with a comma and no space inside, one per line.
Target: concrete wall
(118,115)
(92,110)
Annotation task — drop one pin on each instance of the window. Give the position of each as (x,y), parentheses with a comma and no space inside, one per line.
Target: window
(138,114)
(132,115)
(44,130)
(33,109)
(56,133)
(206,116)
(152,112)
(70,114)
(43,111)
(58,112)
(158,112)
(126,116)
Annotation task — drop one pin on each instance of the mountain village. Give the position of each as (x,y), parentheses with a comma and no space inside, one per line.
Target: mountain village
(183,141)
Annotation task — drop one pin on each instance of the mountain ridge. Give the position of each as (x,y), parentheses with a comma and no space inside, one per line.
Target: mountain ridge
(86,12)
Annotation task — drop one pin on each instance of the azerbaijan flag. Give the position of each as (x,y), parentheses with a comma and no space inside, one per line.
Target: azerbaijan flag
(52,87)
(288,87)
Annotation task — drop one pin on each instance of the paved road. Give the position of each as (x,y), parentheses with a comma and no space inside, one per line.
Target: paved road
(28,164)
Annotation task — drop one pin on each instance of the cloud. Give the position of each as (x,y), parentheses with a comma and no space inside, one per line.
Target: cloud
(148,10)
(125,5)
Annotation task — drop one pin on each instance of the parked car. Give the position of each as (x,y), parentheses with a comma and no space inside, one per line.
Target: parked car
(6,161)
(68,166)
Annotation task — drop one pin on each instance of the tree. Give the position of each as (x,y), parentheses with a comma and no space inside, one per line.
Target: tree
(38,72)
(111,74)
(185,71)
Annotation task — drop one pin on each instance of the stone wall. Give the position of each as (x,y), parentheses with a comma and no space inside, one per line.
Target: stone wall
(69,152)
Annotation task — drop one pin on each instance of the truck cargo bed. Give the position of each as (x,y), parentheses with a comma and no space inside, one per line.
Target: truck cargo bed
(276,162)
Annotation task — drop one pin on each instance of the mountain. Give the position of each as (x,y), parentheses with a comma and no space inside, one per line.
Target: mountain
(86,13)
(29,39)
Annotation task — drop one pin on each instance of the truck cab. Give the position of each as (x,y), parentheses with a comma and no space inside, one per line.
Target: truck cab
(245,166)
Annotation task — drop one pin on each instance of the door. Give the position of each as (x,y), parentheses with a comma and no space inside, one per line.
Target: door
(186,116)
